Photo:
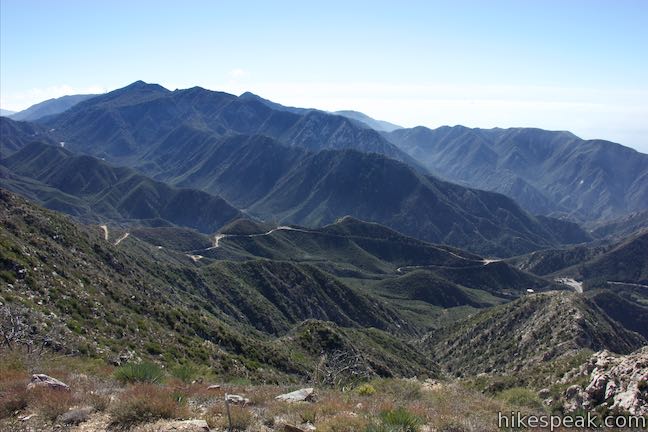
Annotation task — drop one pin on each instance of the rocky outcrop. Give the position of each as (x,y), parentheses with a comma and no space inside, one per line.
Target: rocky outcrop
(618,382)
(576,398)
(42,380)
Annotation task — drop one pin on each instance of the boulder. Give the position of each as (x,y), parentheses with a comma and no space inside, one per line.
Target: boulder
(610,389)
(76,416)
(236,399)
(576,398)
(597,387)
(42,380)
(306,427)
(302,395)
(183,426)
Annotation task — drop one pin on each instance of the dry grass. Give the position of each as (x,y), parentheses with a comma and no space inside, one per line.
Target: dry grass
(447,407)
(241,416)
(143,403)
(13,392)
(343,422)
(51,403)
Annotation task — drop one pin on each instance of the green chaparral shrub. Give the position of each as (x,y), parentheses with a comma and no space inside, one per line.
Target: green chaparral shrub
(365,389)
(140,373)
(399,420)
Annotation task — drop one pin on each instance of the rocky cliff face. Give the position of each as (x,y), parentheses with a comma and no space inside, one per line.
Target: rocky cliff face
(619,383)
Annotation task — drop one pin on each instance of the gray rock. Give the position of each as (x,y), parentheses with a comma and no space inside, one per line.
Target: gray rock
(302,395)
(42,380)
(573,391)
(236,399)
(610,389)
(576,398)
(76,416)
(184,426)
(597,386)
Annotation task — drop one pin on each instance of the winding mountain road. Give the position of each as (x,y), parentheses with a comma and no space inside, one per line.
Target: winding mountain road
(219,237)
(122,238)
(628,283)
(481,262)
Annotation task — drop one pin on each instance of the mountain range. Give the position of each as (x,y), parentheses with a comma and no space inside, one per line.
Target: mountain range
(49,107)
(93,190)
(546,172)
(312,169)
(290,185)
(123,123)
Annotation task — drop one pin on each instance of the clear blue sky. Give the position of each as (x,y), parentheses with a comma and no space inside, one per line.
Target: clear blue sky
(580,65)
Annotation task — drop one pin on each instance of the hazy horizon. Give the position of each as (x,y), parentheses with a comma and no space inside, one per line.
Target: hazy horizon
(560,66)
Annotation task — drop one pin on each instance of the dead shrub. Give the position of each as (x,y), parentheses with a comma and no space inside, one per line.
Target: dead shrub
(13,393)
(50,403)
(241,417)
(144,403)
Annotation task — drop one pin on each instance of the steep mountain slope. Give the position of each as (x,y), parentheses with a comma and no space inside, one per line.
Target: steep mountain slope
(548,261)
(351,243)
(427,287)
(50,107)
(533,329)
(622,308)
(626,262)
(15,135)
(93,190)
(330,184)
(546,172)
(243,169)
(424,281)
(128,121)
(87,295)
(620,227)
(350,247)
(623,261)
